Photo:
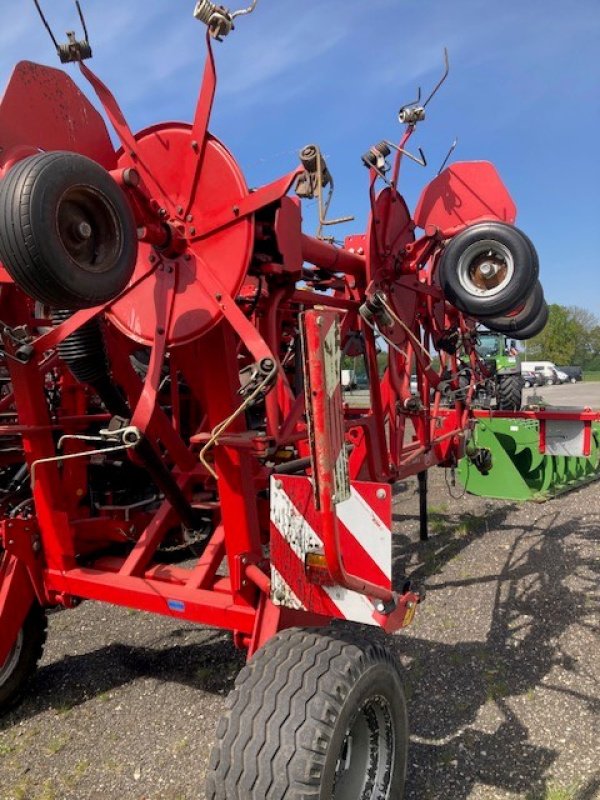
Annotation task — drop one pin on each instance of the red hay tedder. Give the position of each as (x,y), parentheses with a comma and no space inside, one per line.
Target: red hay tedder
(175,437)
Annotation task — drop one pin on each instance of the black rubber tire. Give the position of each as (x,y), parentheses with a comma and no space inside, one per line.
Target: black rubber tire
(522,283)
(510,392)
(38,199)
(14,685)
(528,314)
(534,328)
(288,717)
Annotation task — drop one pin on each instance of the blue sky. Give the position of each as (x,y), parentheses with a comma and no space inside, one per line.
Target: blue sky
(524,92)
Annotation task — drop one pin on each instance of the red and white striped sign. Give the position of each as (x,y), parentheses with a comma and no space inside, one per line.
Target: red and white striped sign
(364,521)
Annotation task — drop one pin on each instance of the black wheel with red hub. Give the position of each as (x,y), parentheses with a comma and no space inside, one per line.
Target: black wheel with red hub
(317,713)
(22,660)
(67,233)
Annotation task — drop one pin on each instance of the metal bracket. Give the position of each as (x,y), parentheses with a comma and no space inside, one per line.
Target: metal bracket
(311,183)
(376,158)
(73,49)
(219,19)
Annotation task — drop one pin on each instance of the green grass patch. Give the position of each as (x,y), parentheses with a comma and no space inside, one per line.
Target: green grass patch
(554,793)
(591,376)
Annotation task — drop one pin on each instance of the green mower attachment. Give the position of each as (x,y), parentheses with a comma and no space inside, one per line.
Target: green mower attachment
(531,455)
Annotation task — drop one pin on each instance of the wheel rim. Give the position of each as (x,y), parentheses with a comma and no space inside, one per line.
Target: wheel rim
(486,268)
(7,669)
(89,229)
(365,764)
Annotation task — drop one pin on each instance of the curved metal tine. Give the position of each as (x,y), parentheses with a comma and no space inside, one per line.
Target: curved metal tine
(46,24)
(82,19)
(422,162)
(242,11)
(452,149)
(442,79)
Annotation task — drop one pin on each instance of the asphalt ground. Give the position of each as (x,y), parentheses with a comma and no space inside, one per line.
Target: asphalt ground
(502,668)
(568,395)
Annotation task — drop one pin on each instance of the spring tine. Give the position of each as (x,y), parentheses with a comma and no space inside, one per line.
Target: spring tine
(46,25)
(82,18)
(242,11)
(452,149)
(442,79)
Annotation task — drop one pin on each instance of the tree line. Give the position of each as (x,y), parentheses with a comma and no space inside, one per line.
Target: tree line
(571,338)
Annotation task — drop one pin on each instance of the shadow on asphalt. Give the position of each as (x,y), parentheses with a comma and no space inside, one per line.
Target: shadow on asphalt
(210,666)
(448,684)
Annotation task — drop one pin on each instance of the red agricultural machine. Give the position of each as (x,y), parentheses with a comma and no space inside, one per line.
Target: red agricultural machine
(174,433)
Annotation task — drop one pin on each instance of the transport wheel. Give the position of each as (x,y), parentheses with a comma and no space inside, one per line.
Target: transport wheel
(316,713)
(67,233)
(510,392)
(488,269)
(22,660)
(534,328)
(522,319)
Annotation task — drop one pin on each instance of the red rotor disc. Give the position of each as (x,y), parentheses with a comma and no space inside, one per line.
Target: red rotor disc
(164,149)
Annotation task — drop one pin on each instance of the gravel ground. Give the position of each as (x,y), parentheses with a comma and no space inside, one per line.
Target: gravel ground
(502,671)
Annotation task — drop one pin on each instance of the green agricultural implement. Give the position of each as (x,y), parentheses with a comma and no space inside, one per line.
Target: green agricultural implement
(531,455)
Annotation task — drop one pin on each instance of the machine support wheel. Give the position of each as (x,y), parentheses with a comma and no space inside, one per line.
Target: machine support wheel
(316,713)
(68,237)
(534,328)
(21,663)
(510,392)
(489,269)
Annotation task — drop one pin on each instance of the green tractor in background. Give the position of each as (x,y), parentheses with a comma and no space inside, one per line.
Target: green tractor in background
(501,357)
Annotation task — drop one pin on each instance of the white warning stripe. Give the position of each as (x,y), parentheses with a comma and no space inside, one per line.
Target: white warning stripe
(301,538)
(291,598)
(368,529)
(332,360)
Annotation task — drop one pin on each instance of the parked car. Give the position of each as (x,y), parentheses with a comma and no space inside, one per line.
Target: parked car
(548,375)
(574,374)
(531,379)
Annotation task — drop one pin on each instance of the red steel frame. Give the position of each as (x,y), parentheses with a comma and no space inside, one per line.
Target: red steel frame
(251,284)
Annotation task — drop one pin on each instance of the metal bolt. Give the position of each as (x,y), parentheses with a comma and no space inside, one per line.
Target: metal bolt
(278,485)
(194,145)
(488,270)
(192,231)
(380,607)
(381,494)
(84,230)
(131,177)
(180,209)
(189,218)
